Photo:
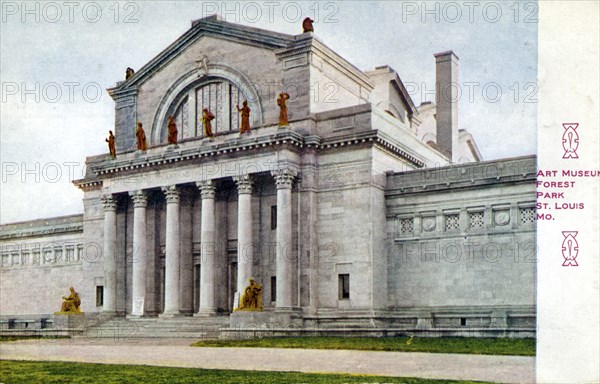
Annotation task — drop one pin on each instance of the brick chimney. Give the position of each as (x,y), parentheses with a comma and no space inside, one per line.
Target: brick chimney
(446,98)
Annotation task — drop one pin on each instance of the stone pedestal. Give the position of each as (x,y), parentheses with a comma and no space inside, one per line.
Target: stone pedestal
(246,320)
(69,322)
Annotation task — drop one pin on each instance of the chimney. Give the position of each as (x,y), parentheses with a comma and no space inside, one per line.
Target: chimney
(446,97)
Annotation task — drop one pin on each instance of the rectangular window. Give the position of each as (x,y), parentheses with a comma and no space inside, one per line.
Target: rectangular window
(273,217)
(406,226)
(273,289)
(344,286)
(99,295)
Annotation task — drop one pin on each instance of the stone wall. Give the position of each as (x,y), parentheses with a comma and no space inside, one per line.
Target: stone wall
(41,259)
(463,236)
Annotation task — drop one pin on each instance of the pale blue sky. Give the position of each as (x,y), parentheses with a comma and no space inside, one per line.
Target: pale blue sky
(51,136)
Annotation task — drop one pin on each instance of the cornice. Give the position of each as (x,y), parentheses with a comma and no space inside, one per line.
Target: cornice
(57,229)
(208,150)
(468,175)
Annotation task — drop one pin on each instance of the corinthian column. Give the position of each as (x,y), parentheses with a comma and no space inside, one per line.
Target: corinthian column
(207,253)
(284,178)
(140,201)
(110,247)
(172,252)
(245,245)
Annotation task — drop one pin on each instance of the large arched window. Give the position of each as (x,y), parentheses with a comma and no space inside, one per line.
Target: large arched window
(220,96)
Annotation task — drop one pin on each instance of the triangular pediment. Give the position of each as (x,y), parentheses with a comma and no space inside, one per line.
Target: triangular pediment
(211,26)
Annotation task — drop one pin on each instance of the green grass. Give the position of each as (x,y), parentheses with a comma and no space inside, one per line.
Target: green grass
(478,346)
(35,372)
(40,337)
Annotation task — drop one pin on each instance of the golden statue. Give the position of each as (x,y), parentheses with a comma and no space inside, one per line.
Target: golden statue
(207,117)
(307,25)
(281,101)
(141,137)
(111,144)
(245,112)
(172,130)
(128,73)
(252,298)
(71,303)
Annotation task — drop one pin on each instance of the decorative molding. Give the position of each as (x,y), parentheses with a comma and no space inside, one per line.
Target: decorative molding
(206,150)
(59,229)
(292,139)
(471,175)
(140,199)
(284,177)
(88,185)
(192,79)
(207,189)
(172,194)
(109,202)
(244,184)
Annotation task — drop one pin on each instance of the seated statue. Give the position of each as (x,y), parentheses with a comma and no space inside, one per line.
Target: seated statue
(71,303)
(252,298)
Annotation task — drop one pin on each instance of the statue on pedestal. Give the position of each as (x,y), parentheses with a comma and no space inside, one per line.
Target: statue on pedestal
(111,144)
(207,117)
(71,303)
(281,101)
(245,114)
(129,72)
(172,130)
(252,297)
(141,137)
(307,25)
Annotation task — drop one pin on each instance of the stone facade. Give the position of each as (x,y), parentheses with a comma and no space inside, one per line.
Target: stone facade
(352,216)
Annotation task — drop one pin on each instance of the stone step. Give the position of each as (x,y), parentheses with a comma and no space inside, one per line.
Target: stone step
(177,335)
(178,327)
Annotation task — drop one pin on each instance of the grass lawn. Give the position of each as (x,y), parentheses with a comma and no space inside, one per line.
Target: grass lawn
(35,372)
(17,338)
(478,346)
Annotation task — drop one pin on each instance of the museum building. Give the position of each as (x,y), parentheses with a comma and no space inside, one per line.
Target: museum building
(352,207)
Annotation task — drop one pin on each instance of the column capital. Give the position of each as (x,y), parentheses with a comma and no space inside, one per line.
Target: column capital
(207,189)
(284,177)
(171,194)
(109,202)
(244,184)
(140,198)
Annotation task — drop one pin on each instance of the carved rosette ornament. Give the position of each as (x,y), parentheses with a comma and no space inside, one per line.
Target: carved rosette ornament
(284,177)
(109,202)
(502,217)
(140,199)
(244,184)
(207,189)
(171,194)
(428,224)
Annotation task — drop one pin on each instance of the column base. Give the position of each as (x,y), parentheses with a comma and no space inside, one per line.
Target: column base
(171,315)
(206,312)
(135,316)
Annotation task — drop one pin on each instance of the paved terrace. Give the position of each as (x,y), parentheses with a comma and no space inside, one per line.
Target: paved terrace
(178,353)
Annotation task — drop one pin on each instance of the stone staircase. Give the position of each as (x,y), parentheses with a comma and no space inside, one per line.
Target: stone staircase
(120,328)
